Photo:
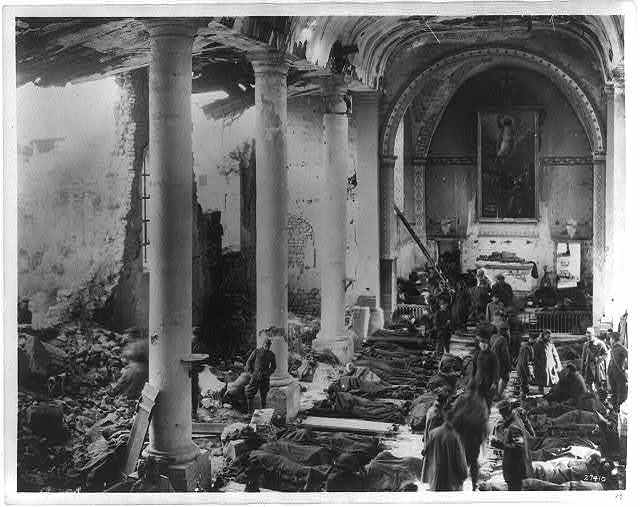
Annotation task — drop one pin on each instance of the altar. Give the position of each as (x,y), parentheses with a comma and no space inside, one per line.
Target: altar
(516,274)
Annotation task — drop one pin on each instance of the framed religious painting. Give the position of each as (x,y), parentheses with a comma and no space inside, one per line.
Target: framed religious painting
(507,165)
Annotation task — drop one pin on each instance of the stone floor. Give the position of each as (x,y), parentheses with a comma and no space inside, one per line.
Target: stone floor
(404,443)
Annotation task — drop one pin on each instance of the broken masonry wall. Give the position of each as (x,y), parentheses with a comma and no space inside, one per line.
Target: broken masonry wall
(73,197)
(216,144)
(81,156)
(128,305)
(216,165)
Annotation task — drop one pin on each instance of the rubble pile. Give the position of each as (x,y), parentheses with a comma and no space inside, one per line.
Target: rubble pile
(69,422)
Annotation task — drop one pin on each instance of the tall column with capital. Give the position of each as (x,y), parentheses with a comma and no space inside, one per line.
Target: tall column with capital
(170,207)
(365,118)
(599,237)
(615,196)
(388,254)
(333,232)
(270,69)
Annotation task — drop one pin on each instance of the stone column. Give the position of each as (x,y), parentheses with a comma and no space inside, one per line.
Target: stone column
(333,231)
(170,215)
(599,237)
(388,252)
(365,118)
(270,69)
(615,197)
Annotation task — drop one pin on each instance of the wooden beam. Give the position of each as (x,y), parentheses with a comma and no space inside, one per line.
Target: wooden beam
(352,425)
(210,428)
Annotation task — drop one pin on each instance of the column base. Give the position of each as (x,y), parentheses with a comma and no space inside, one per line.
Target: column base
(194,475)
(285,400)
(341,346)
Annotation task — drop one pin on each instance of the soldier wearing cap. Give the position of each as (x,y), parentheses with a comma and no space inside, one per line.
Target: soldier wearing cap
(261,364)
(510,435)
(500,346)
(503,290)
(485,364)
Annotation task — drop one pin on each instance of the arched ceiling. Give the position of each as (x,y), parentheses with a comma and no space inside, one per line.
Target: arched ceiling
(380,39)
(54,51)
(431,91)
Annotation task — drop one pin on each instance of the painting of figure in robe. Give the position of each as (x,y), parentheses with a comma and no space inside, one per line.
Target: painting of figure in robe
(507,164)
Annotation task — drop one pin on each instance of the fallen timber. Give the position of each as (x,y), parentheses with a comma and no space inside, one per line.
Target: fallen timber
(351,425)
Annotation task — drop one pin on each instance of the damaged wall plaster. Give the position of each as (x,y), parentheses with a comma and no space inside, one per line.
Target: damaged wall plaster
(72,196)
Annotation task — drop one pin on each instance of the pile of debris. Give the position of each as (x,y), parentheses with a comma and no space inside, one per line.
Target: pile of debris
(69,422)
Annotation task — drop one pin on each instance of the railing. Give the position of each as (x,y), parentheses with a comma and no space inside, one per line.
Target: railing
(415,311)
(557,321)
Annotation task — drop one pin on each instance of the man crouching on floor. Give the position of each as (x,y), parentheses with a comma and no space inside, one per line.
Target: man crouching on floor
(261,364)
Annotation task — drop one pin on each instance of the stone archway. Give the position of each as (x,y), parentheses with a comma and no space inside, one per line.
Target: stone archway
(443,78)
(431,92)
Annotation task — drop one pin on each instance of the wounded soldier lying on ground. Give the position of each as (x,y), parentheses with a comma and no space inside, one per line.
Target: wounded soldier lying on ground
(572,389)
(575,419)
(362,447)
(415,376)
(309,455)
(565,469)
(392,352)
(341,404)
(530,484)
(574,451)
(262,469)
(389,473)
(361,381)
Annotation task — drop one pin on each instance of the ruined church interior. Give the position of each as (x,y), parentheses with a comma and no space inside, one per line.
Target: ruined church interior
(321,254)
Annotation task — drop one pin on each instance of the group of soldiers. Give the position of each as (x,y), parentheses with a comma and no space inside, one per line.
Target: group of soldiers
(449,446)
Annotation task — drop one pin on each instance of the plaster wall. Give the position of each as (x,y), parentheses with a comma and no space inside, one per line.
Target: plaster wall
(214,140)
(305,159)
(565,184)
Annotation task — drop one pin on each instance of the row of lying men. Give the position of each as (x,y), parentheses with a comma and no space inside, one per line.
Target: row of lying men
(455,431)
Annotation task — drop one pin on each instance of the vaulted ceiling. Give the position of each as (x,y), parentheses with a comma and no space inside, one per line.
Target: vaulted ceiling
(56,51)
